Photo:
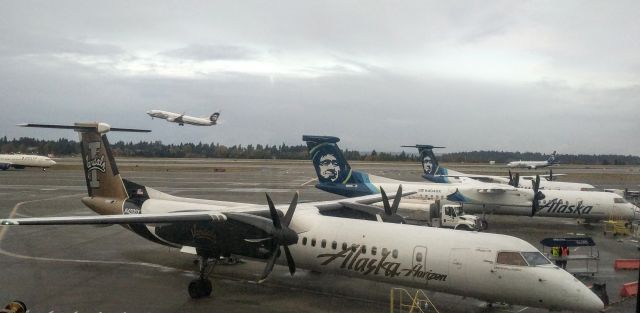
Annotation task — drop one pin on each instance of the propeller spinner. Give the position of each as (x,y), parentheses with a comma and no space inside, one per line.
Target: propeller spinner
(282,235)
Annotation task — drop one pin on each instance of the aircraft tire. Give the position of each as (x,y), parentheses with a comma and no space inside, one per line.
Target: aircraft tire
(463,227)
(200,288)
(484,224)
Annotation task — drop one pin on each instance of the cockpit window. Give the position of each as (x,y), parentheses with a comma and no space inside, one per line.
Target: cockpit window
(535,258)
(619,200)
(510,258)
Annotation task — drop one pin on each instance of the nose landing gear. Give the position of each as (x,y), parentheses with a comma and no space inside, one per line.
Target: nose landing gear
(201,287)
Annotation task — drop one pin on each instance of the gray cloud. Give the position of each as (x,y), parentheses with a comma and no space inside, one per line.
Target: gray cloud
(530,76)
(212,52)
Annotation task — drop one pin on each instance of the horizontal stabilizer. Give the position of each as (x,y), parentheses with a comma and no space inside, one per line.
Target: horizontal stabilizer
(118,219)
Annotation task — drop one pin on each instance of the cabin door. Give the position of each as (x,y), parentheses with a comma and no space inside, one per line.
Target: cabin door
(458,259)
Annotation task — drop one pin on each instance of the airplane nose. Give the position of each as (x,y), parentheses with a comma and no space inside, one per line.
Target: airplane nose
(591,302)
(52,162)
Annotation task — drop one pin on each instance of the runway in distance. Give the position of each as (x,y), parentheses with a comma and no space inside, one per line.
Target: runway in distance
(491,267)
(336,176)
(534,164)
(439,174)
(20,161)
(182,119)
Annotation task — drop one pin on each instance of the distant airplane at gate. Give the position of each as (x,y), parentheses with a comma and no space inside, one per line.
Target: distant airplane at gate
(534,164)
(182,119)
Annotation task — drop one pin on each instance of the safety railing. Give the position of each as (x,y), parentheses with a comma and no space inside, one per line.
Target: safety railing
(401,301)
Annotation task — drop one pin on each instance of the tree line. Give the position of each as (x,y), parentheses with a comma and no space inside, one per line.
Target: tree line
(65,147)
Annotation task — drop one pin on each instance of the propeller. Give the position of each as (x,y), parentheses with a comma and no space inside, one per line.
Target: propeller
(282,236)
(550,175)
(390,211)
(537,196)
(514,180)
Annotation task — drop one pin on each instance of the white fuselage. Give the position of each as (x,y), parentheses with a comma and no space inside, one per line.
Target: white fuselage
(481,198)
(457,262)
(529,164)
(24,160)
(181,118)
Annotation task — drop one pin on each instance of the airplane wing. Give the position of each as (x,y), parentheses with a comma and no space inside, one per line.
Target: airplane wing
(119,219)
(354,202)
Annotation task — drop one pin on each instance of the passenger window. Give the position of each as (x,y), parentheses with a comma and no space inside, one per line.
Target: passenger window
(510,258)
(363,249)
(334,245)
(313,242)
(395,253)
(619,200)
(374,250)
(385,251)
(354,248)
(323,243)
(344,246)
(304,241)
(419,257)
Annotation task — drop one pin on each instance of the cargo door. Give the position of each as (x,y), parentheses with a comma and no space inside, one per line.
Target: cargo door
(458,269)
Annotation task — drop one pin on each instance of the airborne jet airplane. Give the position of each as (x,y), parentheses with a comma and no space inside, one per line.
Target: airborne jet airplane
(336,176)
(490,267)
(182,119)
(439,174)
(20,161)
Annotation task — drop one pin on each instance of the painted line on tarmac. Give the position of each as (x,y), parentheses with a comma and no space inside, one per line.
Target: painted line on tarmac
(309,181)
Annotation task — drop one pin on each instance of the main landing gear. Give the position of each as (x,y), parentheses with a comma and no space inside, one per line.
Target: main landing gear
(201,287)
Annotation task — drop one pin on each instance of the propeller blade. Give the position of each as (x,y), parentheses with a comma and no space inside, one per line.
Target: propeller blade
(385,202)
(257,240)
(275,218)
(550,175)
(510,178)
(396,200)
(292,208)
(269,267)
(292,265)
(516,181)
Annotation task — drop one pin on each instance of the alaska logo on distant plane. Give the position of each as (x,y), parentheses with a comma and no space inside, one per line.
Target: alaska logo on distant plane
(352,260)
(562,207)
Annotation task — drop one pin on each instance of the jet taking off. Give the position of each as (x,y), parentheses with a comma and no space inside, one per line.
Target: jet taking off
(534,164)
(182,119)
(20,161)
(438,174)
(336,176)
(490,267)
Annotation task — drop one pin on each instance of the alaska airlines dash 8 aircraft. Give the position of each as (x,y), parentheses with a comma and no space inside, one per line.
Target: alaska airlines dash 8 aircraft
(534,164)
(20,161)
(182,119)
(486,266)
(336,176)
(438,174)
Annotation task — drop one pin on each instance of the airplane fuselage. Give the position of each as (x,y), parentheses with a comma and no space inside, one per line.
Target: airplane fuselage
(182,119)
(24,160)
(457,262)
(529,164)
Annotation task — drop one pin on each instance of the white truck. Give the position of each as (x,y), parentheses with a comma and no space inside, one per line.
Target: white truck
(436,214)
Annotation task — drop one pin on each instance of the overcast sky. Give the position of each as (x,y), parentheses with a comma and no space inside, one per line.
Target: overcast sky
(469,75)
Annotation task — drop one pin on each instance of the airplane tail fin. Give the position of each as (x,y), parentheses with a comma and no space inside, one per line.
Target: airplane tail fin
(214,117)
(432,171)
(101,172)
(332,169)
(552,158)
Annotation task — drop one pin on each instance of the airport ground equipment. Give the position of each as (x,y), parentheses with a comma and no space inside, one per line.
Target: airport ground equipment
(436,214)
(582,262)
(401,301)
(616,227)
(626,264)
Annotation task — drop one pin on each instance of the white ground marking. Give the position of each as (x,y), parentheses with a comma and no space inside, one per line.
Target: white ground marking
(309,181)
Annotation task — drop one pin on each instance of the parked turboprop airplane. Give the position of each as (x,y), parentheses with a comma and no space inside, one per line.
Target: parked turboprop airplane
(20,161)
(439,174)
(486,266)
(182,119)
(336,176)
(534,164)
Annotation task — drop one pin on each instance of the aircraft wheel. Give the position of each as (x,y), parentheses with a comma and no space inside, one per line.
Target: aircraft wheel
(200,288)
(484,224)
(463,227)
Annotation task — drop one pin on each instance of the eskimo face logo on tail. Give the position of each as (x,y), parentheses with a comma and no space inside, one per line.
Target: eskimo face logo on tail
(329,167)
(95,162)
(427,164)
